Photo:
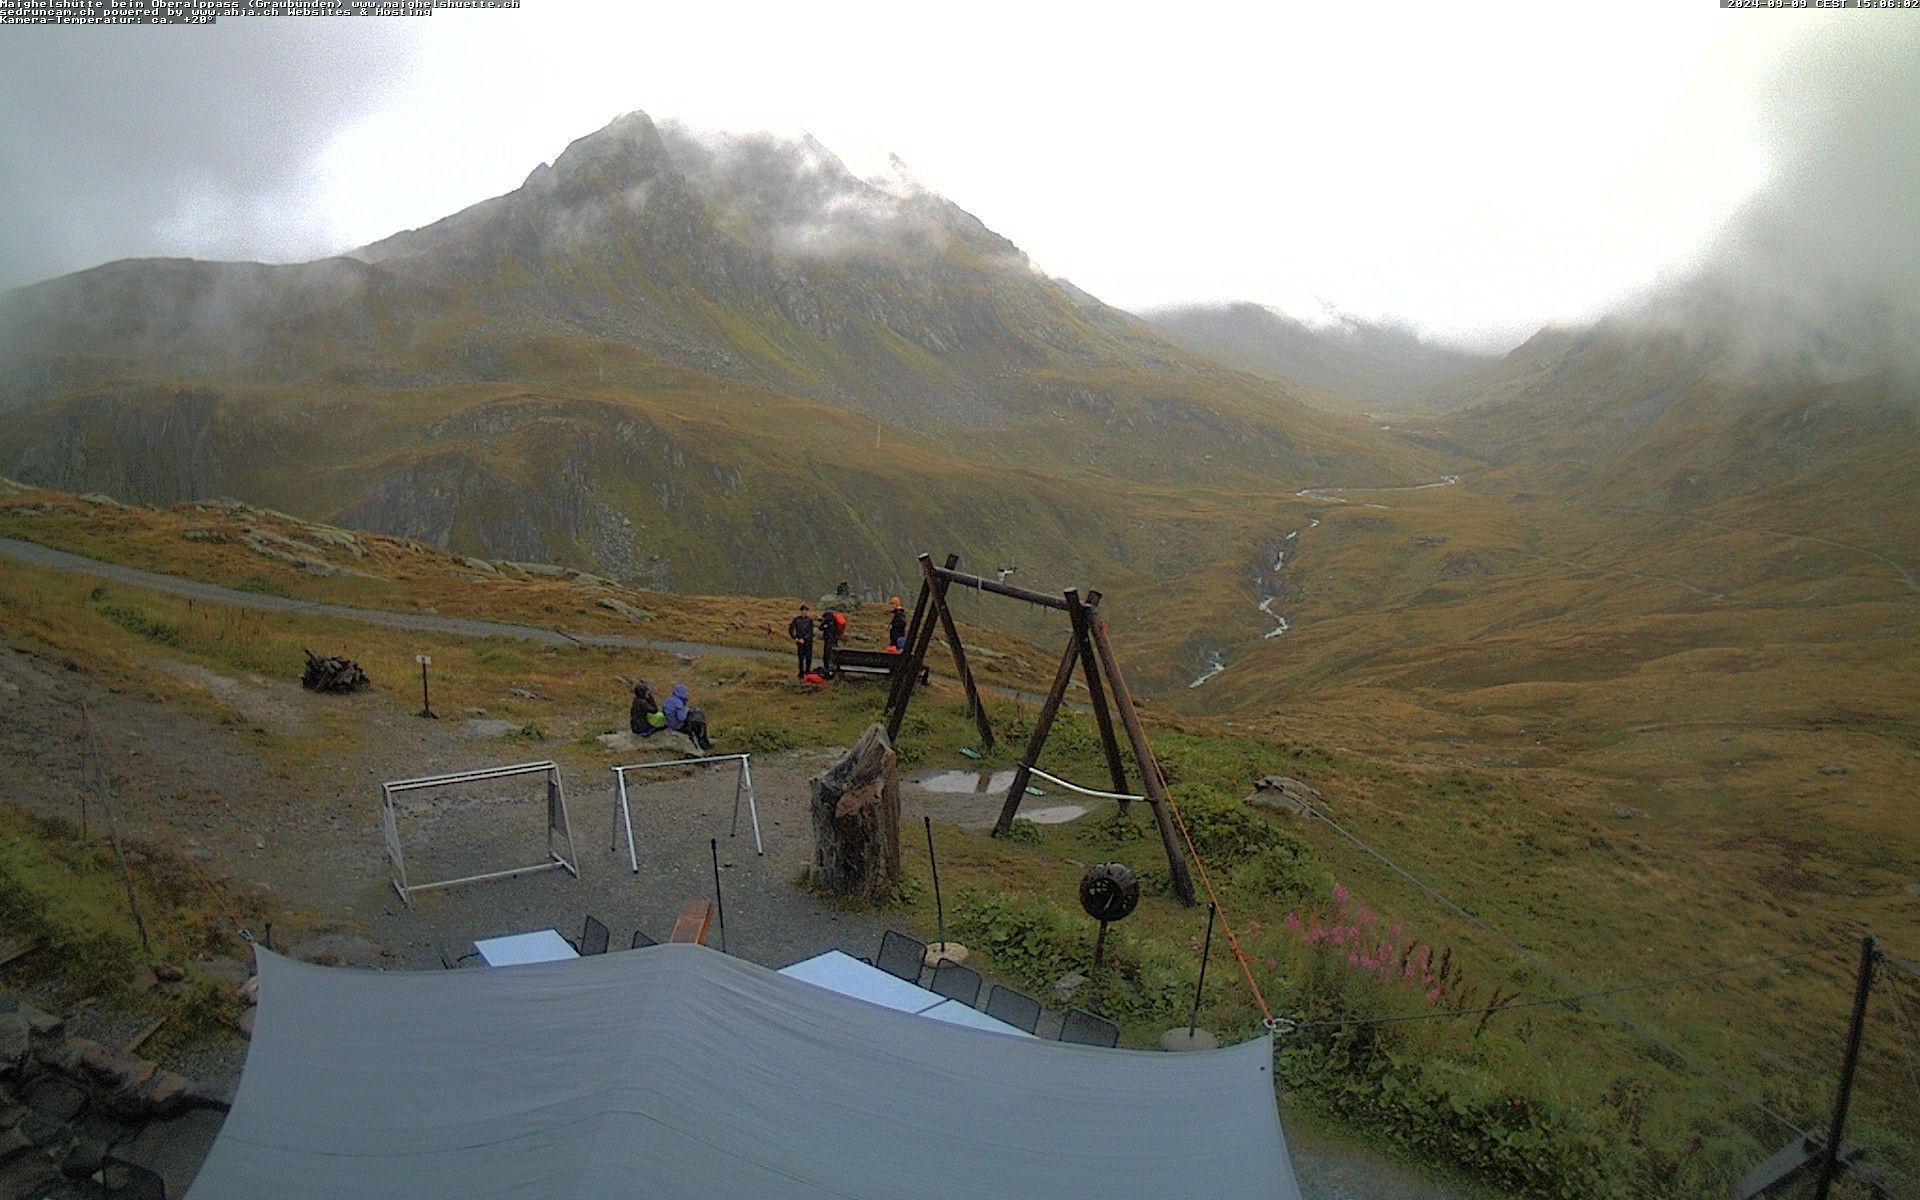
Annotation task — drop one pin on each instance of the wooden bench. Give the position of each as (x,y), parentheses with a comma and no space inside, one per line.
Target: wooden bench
(870,662)
(695,916)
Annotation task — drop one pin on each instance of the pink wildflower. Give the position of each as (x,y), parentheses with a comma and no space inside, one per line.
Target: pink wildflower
(1292,921)
(1339,894)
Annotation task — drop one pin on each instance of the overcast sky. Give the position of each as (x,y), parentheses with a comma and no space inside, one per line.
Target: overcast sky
(1478,169)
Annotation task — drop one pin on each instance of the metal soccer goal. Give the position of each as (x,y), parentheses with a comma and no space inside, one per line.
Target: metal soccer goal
(742,787)
(558,829)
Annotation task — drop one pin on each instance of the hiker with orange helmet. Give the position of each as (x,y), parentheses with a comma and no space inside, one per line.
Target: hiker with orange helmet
(897,626)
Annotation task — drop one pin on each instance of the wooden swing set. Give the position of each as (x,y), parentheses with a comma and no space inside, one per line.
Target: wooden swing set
(1089,648)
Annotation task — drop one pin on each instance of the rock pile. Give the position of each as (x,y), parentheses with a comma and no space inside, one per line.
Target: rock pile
(69,1104)
(333,674)
(1283,794)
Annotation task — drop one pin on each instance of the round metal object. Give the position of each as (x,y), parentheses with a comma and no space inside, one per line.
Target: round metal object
(1109,891)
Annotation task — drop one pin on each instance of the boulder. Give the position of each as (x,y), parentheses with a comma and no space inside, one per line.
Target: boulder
(855,806)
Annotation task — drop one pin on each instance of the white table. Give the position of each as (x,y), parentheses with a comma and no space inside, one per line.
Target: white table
(543,945)
(849,976)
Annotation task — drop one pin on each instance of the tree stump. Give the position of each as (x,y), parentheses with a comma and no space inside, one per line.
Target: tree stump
(856,822)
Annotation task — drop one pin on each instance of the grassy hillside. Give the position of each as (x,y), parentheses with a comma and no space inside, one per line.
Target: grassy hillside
(1475,693)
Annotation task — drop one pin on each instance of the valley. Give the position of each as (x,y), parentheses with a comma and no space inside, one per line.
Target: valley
(1600,659)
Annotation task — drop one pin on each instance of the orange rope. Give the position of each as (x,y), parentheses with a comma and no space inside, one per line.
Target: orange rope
(1239,956)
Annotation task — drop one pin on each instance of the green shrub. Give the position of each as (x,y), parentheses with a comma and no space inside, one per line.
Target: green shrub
(757,735)
(1031,940)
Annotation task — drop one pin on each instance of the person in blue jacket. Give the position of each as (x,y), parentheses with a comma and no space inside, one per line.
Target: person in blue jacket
(685,718)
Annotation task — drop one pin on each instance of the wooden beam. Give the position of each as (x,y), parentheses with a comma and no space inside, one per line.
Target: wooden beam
(1082,616)
(895,697)
(975,709)
(980,583)
(916,655)
(1041,724)
(1154,784)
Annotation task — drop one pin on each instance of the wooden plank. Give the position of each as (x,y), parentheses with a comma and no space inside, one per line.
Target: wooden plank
(1154,784)
(1082,616)
(980,583)
(1041,725)
(975,709)
(691,926)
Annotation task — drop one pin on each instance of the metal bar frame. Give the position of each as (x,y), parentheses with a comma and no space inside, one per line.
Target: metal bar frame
(557,821)
(742,783)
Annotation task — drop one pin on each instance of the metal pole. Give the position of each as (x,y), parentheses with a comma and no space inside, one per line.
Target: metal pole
(718,903)
(1206,952)
(426,704)
(1099,947)
(1836,1129)
(939,909)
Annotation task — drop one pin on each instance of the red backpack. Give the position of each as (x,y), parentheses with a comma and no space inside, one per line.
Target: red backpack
(839,623)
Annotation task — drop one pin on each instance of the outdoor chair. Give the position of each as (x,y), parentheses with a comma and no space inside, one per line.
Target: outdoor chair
(594,938)
(640,939)
(1083,1027)
(956,982)
(125,1181)
(901,955)
(1016,1009)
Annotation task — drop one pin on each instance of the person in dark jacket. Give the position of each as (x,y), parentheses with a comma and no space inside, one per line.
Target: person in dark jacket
(685,718)
(645,717)
(897,626)
(800,629)
(832,625)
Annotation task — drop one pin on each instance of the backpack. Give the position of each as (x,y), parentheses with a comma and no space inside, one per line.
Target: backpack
(839,624)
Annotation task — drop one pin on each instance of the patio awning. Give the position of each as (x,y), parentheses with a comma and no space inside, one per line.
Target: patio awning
(678,1071)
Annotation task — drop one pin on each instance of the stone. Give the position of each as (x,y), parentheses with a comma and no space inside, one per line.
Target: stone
(1286,804)
(174,1149)
(113,1069)
(494,728)
(248,993)
(42,1024)
(165,1095)
(13,1145)
(1285,783)
(478,564)
(1832,769)
(167,972)
(26,1177)
(520,693)
(855,809)
(58,1099)
(16,1038)
(245,1023)
(41,1129)
(143,979)
(1913,889)
(1624,813)
(623,608)
(1066,986)
(86,1157)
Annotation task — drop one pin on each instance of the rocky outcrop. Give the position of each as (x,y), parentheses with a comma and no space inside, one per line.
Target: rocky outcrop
(69,1104)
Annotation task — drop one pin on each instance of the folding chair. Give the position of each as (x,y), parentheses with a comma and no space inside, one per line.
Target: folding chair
(1083,1027)
(1016,1009)
(641,939)
(594,938)
(901,955)
(956,982)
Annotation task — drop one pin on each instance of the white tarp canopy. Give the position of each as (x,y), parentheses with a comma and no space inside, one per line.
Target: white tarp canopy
(678,1071)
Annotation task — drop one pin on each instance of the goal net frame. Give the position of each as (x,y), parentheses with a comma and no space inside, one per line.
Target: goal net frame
(558,826)
(742,786)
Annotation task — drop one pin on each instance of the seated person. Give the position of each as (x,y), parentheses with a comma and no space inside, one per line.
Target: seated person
(688,720)
(645,717)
